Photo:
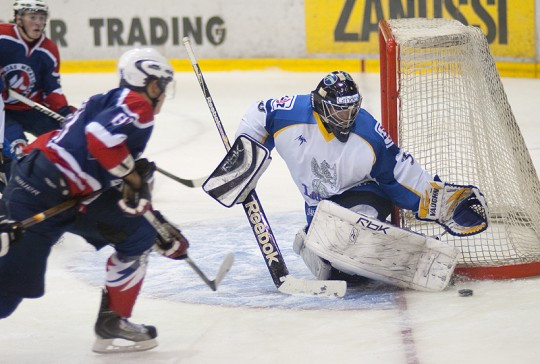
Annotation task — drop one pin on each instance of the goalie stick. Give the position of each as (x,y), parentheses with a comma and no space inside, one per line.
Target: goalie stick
(197,182)
(167,235)
(259,223)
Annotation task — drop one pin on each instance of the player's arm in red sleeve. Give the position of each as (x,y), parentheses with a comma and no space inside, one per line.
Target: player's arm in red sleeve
(109,149)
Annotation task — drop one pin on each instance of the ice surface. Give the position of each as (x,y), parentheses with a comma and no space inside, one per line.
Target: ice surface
(247,320)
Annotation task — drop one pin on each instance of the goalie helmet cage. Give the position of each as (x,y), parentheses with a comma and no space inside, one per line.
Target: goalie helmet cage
(443,101)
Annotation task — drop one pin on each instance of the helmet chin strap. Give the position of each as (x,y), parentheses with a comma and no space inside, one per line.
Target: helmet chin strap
(154,100)
(23,28)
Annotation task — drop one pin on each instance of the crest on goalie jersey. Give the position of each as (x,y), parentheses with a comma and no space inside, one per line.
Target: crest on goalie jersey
(325,179)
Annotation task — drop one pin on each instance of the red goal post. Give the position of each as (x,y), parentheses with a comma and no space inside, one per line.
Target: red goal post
(442,100)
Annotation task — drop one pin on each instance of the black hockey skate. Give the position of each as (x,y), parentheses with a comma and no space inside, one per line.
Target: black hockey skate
(115,334)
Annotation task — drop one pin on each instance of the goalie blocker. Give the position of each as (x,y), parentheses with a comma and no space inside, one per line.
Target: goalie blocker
(359,245)
(237,174)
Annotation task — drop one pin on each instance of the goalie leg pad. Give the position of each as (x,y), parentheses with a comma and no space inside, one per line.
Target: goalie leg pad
(238,173)
(364,246)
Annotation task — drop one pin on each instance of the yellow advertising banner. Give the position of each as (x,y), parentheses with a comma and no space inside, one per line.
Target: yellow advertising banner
(351,26)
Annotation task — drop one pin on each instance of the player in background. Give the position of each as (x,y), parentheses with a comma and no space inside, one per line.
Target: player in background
(30,63)
(97,149)
(337,151)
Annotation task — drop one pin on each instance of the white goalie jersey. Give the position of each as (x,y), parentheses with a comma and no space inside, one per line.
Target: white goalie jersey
(321,166)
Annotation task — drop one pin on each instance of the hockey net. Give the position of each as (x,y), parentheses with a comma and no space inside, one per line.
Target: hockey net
(443,101)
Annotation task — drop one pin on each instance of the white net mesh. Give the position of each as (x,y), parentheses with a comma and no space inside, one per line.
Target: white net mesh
(455,119)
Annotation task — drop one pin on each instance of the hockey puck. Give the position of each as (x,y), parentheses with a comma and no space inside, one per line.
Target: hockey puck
(465,292)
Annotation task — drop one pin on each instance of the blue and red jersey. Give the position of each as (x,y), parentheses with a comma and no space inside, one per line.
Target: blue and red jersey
(93,146)
(32,69)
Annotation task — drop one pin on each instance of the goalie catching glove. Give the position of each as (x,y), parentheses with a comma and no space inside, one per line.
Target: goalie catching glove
(461,210)
(176,247)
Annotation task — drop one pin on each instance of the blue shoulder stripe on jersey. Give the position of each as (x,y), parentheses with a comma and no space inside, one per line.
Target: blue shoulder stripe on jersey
(278,118)
(367,127)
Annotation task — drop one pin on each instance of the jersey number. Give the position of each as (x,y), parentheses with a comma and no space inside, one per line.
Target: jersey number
(120,119)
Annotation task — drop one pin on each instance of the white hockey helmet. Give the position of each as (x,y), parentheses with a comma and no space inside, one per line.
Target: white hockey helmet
(140,65)
(22,7)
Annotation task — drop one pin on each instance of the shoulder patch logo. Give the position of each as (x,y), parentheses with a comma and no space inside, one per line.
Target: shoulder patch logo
(283,103)
(387,140)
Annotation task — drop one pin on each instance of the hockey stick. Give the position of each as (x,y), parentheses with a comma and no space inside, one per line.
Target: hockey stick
(198,182)
(42,216)
(66,205)
(167,235)
(50,212)
(34,105)
(259,223)
(55,210)
(222,271)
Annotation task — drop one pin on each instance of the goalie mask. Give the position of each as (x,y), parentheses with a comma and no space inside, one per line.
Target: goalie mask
(337,101)
(137,67)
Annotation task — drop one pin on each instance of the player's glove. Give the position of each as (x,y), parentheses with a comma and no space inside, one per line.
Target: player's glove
(136,201)
(9,234)
(67,111)
(175,248)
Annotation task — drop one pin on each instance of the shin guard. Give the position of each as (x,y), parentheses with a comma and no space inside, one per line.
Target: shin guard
(124,279)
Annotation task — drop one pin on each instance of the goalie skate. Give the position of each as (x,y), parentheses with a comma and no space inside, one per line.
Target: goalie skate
(320,268)
(115,334)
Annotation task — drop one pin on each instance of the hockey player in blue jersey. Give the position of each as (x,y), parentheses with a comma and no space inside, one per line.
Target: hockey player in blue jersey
(336,151)
(97,150)
(30,63)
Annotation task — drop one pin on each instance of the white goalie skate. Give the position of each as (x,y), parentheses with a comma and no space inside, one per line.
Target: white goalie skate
(319,267)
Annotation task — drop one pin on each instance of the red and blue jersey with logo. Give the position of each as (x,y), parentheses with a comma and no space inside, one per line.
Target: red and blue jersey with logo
(33,70)
(98,139)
